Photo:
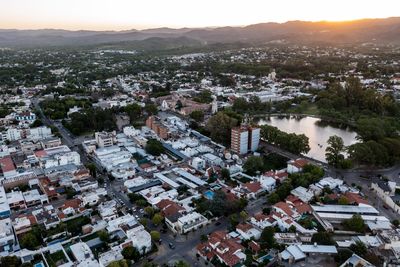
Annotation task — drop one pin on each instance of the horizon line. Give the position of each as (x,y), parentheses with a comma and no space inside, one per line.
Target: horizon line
(197,27)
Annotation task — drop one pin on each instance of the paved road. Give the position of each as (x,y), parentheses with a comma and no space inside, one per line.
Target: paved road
(185,245)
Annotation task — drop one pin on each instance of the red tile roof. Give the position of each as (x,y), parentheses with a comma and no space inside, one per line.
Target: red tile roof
(284,207)
(303,208)
(253,187)
(40,153)
(300,163)
(244,227)
(7,164)
(355,198)
(254,246)
(169,208)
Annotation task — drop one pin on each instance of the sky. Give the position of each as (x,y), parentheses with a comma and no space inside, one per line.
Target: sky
(142,14)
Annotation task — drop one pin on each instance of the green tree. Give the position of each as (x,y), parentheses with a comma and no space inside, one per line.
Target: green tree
(149,211)
(151,109)
(334,151)
(225,174)
(253,165)
(267,238)
(343,201)
(243,215)
(131,253)
(197,115)
(120,263)
(355,223)
(104,236)
(359,248)
(343,255)
(204,97)
(155,236)
(157,219)
(220,126)
(203,238)
(154,147)
(134,112)
(10,261)
(233,220)
(30,241)
(92,169)
(322,238)
(273,198)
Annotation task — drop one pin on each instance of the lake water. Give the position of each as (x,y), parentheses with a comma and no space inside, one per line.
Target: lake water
(317,132)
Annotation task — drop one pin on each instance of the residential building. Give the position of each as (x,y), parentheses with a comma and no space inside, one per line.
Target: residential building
(191,221)
(7,238)
(226,249)
(105,139)
(244,139)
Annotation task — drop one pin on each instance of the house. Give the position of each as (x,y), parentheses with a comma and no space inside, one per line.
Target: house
(249,190)
(261,220)
(285,209)
(5,210)
(302,193)
(279,176)
(71,207)
(330,182)
(190,221)
(83,255)
(23,224)
(298,252)
(223,248)
(25,117)
(139,238)
(168,207)
(356,261)
(268,183)
(7,167)
(295,166)
(16,200)
(247,231)
(108,210)
(7,238)
(355,199)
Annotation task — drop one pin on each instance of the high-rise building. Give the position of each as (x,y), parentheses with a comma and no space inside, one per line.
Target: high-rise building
(244,139)
(240,140)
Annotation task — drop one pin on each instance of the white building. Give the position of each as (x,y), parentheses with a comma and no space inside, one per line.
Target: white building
(105,139)
(191,221)
(108,210)
(247,231)
(83,255)
(140,239)
(302,193)
(4,207)
(268,183)
(7,239)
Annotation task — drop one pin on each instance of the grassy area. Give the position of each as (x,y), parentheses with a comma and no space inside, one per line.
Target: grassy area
(56,259)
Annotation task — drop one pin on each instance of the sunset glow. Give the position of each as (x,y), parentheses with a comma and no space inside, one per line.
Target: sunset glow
(129,14)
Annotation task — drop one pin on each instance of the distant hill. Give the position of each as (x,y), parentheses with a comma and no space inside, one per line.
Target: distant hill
(367,30)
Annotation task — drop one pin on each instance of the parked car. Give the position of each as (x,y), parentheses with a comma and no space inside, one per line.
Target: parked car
(171,246)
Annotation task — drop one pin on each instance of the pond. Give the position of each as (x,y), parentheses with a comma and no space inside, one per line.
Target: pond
(317,131)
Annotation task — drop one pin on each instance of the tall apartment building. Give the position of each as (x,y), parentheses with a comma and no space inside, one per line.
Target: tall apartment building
(244,139)
(157,127)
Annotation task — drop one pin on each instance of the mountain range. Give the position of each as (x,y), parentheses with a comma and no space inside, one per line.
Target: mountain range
(383,31)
